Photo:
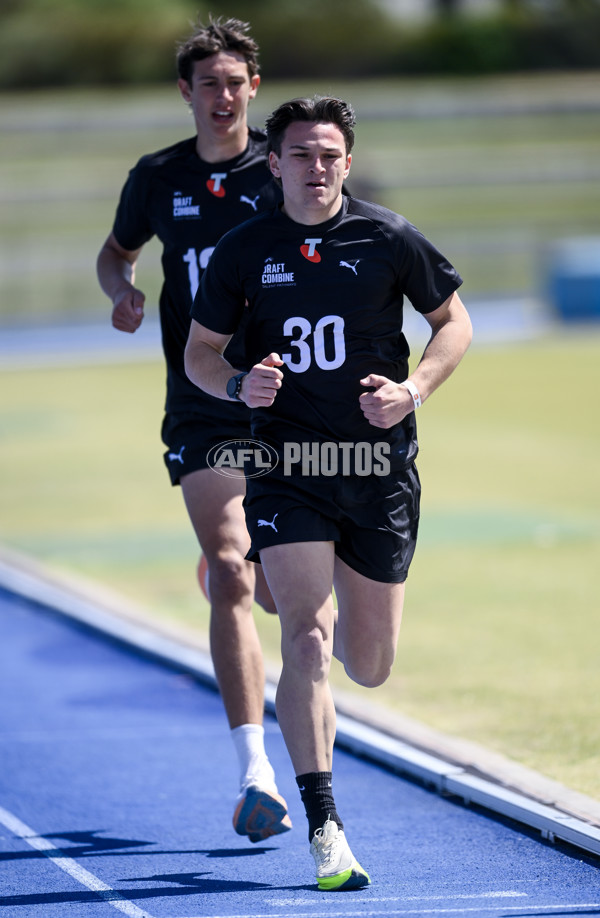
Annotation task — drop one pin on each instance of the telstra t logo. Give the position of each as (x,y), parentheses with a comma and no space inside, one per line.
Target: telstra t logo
(214,184)
(309,249)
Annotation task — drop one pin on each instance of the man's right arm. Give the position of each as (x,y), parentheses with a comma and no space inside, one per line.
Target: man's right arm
(206,366)
(116,274)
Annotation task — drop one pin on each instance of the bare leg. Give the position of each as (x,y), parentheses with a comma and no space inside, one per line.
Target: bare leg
(304,704)
(368,625)
(262,593)
(214,504)
(215,508)
(367,631)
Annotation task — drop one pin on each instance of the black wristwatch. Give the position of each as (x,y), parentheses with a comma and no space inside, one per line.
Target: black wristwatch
(234,386)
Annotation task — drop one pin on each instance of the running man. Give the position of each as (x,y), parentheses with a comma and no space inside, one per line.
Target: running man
(189,195)
(324,277)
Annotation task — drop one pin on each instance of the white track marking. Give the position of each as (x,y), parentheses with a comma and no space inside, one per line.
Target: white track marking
(493,894)
(398,913)
(70,866)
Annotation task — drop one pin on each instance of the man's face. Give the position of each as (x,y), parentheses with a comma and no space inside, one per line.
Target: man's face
(219,93)
(312,167)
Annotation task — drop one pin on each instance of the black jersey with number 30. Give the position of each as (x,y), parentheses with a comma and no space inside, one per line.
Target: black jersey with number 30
(189,204)
(329,300)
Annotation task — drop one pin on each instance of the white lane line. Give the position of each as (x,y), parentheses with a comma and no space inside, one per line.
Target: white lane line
(449,897)
(534,910)
(70,866)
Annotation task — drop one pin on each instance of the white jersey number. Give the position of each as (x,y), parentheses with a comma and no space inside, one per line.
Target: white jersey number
(330,327)
(194,262)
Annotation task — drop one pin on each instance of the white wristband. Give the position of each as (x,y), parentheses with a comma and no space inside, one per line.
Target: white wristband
(408,384)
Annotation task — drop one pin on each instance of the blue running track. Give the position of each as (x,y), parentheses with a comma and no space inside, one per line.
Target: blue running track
(117,785)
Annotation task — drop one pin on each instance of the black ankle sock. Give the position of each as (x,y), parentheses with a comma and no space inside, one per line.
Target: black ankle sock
(317,797)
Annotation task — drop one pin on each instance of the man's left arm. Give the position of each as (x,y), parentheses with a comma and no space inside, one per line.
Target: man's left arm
(451,334)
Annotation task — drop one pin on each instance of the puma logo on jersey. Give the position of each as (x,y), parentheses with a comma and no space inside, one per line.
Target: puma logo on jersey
(177,457)
(250,201)
(271,524)
(351,265)
(215,186)
(309,250)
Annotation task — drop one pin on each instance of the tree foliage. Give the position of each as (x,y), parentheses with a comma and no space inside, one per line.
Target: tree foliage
(99,42)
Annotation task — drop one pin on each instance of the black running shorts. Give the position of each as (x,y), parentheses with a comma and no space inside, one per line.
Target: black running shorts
(372,520)
(190,437)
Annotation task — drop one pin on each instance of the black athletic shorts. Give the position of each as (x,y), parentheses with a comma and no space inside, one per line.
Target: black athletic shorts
(372,520)
(190,437)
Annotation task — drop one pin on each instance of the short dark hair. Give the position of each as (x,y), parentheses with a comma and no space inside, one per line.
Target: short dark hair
(219,35)
(319,108)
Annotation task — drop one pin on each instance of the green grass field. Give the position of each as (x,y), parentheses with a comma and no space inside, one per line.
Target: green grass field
(500,642)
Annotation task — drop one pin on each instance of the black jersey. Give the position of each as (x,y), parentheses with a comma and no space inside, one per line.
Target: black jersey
(329,300)
(189,204)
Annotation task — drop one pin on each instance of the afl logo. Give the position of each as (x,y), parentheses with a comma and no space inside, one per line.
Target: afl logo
(251,457)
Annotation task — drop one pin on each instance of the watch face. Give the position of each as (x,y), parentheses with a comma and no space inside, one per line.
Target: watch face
(234,385)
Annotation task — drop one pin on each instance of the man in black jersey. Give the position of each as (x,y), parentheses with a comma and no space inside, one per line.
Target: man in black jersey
(321,281)
(189,195)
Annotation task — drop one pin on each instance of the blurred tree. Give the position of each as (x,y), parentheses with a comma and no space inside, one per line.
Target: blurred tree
(332,38)
(447,7)
(58,42)
(67,42)
(545,7)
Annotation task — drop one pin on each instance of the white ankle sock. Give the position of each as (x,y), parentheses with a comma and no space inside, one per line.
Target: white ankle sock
(255,768)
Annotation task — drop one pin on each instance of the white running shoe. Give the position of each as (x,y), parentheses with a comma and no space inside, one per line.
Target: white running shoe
(337,867)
